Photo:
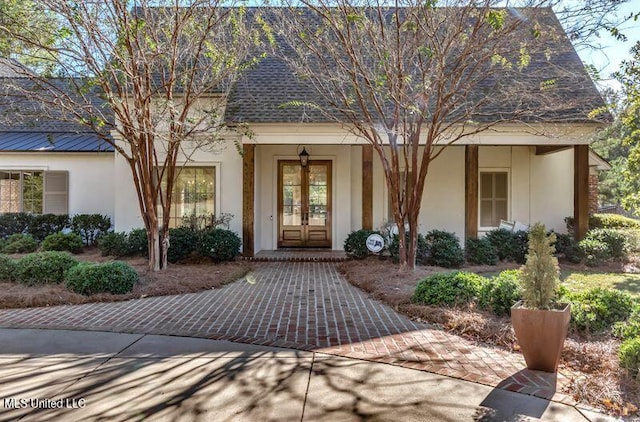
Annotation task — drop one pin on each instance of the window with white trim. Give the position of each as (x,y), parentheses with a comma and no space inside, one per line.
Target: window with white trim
(34,192)
(494,198)
(194,194)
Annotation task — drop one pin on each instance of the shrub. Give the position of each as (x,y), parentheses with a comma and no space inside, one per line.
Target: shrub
(114,244)
(501,292)
(422,251)
(629,354)
(20,243)
(90,226)
(70,242)
(501,239)
(355,244)
(616,241)
(629,328)
(519,246)
(43,267)
(7,268)
(109,277)
(14,223)
(633,239)
(480,251)
(454,288)
(540,274)
(444,249)
(594,251)
(598,309)
(612,221)
(42,225)
(182,241)
(137,242)
(567,246)
(219,245)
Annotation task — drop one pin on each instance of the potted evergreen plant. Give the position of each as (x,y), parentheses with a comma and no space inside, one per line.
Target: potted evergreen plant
(539,321)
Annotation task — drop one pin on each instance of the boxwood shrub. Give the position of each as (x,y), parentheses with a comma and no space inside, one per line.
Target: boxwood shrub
(219,245)
(444,249)
(42,225)
(612,221)
(7,268)
(20,243)
(114,244)
(480,251)
(455,288)
(182,241)
(597,309)
(355,244)
(70,242)
(137,242)
(501,292)
(110,277)
(43,267)
(629,354)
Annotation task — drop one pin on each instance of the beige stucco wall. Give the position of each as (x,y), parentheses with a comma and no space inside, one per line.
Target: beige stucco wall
(91,184)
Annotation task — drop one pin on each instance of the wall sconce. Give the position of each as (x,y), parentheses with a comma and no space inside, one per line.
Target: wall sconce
(304,157)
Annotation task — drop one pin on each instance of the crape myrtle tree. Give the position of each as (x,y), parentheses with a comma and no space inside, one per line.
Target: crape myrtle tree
(149,77)
(412,77)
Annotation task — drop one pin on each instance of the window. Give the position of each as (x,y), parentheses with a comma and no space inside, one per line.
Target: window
(33,192)
(494,188)
(193,194)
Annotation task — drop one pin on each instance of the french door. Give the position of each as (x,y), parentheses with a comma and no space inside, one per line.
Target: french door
(304,204)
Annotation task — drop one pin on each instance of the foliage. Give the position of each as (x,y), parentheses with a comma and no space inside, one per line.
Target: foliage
(183,241)
(509,246)
(616,242)
(480,251)
(422,249)
(20,243)
(597,309)
(355,244)
(207,221)
(595,251)
(43,267)
(114,244)
(7,268)
(456,288)
(14,223)
(219,245)
(42,225)
(629,355)
(70,242)
(519,246)
(567,246)
(629,328)
(110,277)
(501,292)
(137,242)
(540,273)
(90,226)
(612,221)
(444,249)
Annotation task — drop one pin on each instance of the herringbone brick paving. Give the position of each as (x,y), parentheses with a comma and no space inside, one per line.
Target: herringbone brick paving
(302,305)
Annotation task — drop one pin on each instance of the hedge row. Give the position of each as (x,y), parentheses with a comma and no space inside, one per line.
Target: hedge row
(88,226)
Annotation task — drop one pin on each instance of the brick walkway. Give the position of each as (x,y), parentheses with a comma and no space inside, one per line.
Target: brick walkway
(306,306)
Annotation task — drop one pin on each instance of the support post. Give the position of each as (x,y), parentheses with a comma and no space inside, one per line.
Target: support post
(580,190)
(471,191)
(248,195)
(367,187)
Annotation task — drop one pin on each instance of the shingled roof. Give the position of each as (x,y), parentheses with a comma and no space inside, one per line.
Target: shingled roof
(265,92)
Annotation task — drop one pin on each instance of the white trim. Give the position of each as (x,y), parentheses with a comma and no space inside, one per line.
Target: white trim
(509,193)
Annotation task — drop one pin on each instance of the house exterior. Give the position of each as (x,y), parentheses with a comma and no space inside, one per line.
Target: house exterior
(510,173)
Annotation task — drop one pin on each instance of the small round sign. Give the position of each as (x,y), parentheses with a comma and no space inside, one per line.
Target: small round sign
(375,243)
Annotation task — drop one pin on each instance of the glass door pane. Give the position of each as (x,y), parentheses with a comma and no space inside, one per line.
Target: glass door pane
(318,195)
(291,195)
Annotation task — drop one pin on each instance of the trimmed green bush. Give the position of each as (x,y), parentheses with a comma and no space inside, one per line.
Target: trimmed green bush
(480,251)
(594,251)
(114,244)
(182,241)
(629,328)
(612,221)
(20,243)
(138,243)
(501,292)
(90,226)
(110,277)
(69,242)
(422,251)
(598,309)
(566,245)
(14,223)
(456,288)
(355,244)
(7,268)
(501,239)
(42,225)
(519,246)
(43,267)
(616,241)
(219,245)
(629,354)
(444,249)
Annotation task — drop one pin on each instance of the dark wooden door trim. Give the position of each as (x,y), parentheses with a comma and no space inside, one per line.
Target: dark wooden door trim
(248,199)
(471,191)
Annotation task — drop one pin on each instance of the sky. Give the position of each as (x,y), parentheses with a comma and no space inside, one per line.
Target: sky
(608,59)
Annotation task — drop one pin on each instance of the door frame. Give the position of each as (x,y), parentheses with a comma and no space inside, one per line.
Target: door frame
(279,199)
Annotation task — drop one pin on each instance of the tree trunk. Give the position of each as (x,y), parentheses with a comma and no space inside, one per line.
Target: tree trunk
(153,237)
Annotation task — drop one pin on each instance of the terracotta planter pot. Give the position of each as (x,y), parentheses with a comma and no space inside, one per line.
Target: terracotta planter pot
(541,335)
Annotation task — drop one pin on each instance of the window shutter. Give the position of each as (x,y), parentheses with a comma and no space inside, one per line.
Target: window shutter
(56,192)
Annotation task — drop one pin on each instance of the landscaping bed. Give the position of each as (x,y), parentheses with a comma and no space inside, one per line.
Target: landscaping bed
(189,277)
(590,360)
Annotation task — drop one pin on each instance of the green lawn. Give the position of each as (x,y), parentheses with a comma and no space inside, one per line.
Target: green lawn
(579,281)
